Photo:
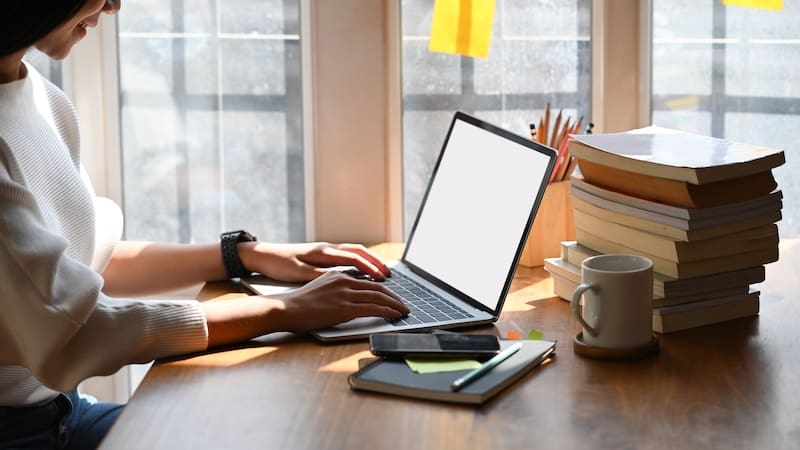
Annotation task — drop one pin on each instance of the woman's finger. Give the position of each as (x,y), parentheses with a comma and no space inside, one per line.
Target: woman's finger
(366,254)
(377,297)
(340,257)
(373,310)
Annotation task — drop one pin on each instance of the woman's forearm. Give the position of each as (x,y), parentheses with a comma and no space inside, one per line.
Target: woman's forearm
(143,268)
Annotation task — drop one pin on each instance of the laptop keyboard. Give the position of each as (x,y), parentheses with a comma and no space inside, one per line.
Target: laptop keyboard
(425,305)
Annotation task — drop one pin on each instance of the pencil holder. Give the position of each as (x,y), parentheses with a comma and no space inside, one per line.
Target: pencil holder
(552,225)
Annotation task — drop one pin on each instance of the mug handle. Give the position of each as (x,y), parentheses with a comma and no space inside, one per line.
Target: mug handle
(575,304)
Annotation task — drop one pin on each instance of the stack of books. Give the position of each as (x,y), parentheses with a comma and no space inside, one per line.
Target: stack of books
(704,210)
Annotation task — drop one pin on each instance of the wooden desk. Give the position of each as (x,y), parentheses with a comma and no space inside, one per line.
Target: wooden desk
(733,385)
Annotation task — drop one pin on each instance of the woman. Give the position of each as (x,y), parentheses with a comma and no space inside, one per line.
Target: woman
(67,282)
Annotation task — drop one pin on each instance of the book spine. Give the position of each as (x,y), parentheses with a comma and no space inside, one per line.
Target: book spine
(668,323)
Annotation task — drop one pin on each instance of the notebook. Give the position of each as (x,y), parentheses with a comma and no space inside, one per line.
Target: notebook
(393,376)
(468,235)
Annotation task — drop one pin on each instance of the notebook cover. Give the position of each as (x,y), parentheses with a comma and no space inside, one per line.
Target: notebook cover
(393,376)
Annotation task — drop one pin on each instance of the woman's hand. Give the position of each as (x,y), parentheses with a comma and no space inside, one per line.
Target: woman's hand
(326,301)
(335,298)
(304,262)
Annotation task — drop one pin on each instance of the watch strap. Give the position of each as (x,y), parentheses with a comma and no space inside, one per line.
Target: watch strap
(230,252)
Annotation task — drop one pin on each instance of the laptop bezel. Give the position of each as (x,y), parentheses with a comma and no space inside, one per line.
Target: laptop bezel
(533,145)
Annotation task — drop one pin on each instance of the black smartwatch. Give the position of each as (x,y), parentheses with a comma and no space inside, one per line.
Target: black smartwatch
(230,253)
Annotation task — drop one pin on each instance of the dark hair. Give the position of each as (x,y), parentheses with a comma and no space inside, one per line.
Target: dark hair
(25,22)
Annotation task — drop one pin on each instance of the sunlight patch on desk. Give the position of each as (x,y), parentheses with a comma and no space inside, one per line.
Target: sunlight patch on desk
(227,358)
(347,364)
(521,299)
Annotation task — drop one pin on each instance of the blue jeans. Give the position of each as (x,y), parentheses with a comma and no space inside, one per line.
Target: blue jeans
(70,421)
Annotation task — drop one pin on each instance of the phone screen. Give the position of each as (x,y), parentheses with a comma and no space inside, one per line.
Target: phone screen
(433,344)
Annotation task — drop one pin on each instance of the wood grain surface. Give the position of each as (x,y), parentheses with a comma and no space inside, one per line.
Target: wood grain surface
(729,386)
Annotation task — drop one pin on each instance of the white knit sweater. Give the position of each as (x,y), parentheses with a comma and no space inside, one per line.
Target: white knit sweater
(56,325)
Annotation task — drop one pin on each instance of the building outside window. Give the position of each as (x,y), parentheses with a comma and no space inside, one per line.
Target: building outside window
(211,119)
(540,52)
(733,73)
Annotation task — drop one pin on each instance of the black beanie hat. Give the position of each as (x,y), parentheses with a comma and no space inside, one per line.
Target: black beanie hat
(25,22)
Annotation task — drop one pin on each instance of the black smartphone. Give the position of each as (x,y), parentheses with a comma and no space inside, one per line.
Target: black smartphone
(420,345)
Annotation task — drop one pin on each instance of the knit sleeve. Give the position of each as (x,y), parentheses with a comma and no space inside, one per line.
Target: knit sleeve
(55,320)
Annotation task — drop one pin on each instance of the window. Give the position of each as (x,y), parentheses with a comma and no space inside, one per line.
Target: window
(211,119)
(539,52)
(47,67)
(733,73)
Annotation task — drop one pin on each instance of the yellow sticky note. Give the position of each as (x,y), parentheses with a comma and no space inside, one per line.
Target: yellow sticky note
(462,27)
(441,365)
(775,5)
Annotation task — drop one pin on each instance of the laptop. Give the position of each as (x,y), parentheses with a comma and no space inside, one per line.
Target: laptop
(468,235)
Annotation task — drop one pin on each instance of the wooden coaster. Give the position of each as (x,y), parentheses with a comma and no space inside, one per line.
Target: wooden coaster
(614,354)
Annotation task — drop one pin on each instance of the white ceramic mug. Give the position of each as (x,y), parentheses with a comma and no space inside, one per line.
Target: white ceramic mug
(617,295)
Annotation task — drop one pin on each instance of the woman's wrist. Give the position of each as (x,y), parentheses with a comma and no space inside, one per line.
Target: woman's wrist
(240,319)
(230,251)
(249,256)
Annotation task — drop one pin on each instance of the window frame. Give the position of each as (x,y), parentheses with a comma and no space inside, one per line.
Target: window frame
(352,110)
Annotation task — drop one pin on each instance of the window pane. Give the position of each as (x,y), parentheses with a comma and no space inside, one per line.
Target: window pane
(47,67)
(539,52)
(734,73)
(211,119)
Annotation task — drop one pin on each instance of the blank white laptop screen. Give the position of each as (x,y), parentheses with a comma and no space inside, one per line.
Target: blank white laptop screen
(476,211)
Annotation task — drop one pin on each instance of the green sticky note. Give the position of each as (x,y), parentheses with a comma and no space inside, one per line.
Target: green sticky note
(535,335)
(441,365)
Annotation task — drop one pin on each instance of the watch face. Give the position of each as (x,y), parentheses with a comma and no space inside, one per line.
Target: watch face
(239,236)
(245,236)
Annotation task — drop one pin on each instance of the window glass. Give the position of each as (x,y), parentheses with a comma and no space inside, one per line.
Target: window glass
(47,67)
(733,73)
(539,52)
(211,119)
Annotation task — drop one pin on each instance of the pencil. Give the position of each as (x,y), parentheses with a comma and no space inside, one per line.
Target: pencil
(556,130)
(539,130)
(533,131)
(543,131)
(578,126)
(573,162)
(564,133)
(561,162)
